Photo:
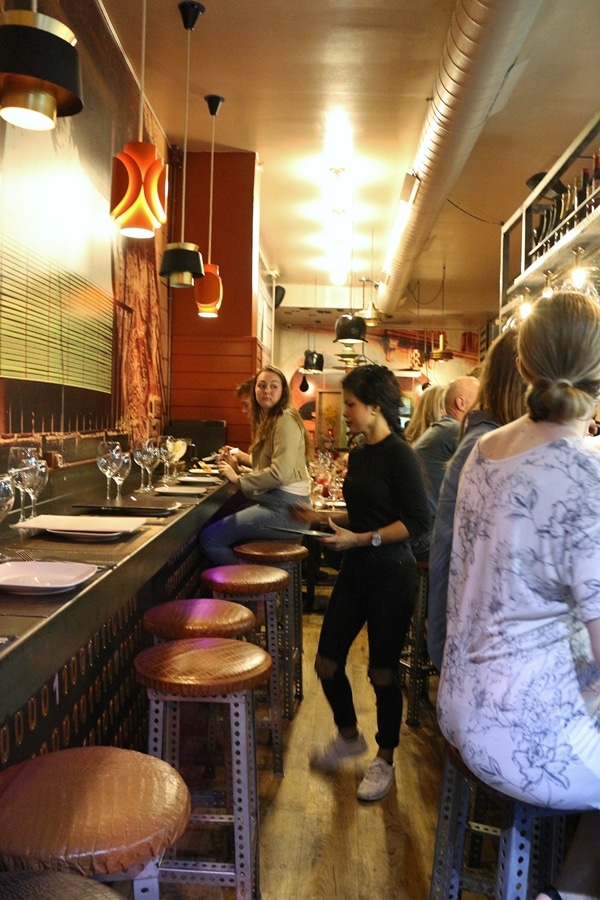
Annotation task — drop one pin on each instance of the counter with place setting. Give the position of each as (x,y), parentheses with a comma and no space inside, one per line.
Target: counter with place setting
(75,581)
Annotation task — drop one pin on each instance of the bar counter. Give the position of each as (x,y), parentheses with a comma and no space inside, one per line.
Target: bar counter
(66,672)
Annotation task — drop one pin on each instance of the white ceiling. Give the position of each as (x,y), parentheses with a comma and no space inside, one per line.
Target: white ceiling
(282,65)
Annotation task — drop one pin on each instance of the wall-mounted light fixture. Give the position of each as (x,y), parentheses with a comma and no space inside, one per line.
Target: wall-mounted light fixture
(578,274)
(547,290)
(40,77)
(181,262)
(138,197)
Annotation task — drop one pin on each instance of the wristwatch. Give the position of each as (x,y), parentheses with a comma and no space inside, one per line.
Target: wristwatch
(376,539)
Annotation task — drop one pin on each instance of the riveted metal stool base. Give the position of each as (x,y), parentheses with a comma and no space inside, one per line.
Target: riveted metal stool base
(415,666)
(198,617)
(217,671)
(530,839)
(99,811)
(256,585)
(286,555)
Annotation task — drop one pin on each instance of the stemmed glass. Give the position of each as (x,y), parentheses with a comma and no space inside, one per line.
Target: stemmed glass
(108,459)
(21,465)
(7,495)
(166,447)
(36,484)
(151,459)
(123,472)
(180,446)
(139,448)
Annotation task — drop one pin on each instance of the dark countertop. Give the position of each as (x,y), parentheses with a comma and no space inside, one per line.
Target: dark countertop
(46,628)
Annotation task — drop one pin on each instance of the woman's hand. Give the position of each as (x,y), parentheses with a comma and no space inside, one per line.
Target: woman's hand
(341,539)
(227,471)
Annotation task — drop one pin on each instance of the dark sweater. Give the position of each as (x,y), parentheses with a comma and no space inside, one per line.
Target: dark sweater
(385,484)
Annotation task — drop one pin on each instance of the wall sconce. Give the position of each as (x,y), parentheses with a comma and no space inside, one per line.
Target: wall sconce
(138,197)
(350,330)
(181,262)
(40,77)
(578,274)
(548,290)
(209,291)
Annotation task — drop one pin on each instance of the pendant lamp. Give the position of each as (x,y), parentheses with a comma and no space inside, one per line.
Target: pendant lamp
(181,262)
(440,354)
(209,291)
(350,330)
(138,200)
(40,77)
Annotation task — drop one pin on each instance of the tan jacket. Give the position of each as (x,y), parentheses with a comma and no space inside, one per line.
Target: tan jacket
(278,461)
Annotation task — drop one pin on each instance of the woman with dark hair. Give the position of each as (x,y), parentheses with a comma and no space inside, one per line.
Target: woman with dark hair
(279,476)
(386,508)
(519,692)
(501,399)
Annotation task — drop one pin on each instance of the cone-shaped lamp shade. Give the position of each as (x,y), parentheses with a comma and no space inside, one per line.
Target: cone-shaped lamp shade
(40,77)
(208,292)
(350,330)
(139,190)
(181,264)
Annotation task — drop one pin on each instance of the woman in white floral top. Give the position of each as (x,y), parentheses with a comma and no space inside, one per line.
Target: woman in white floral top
(519,692)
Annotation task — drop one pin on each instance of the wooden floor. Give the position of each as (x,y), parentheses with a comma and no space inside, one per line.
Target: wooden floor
(317,840)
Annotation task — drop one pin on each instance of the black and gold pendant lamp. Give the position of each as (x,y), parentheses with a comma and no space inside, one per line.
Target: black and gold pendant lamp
(181,262)
(209,292)
(40,77)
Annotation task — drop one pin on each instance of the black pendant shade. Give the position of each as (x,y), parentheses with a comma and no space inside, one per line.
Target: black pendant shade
(350,330)
(313,361)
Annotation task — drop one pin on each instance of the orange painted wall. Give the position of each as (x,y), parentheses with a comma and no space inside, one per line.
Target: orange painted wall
(210,357)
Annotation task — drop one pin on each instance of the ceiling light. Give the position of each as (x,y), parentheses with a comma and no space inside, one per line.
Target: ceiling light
(578,274)
(440,354)
(548,290)
(40,77)
(209,291)
(139,176)
(313,362)
(181,262)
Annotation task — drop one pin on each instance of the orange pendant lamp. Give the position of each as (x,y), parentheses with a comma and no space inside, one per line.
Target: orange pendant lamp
(209,291)
(138,197)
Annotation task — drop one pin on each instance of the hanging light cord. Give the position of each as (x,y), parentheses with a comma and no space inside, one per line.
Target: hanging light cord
(142,74)
(185,133)
(210,196)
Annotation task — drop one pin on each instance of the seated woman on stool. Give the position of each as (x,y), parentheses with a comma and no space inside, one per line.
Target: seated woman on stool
(519,691)
(279,476)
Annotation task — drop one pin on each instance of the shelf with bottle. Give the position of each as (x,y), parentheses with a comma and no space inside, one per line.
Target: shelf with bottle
(554,222)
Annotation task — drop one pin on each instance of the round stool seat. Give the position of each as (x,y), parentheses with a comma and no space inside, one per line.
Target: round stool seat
(52,886)
(245,580)
(203,667)
(200,617)
(93,810)
(271,552)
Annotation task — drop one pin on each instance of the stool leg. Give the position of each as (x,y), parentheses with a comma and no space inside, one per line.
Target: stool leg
(416,673)
(245,796)
(513,855)
(450,836)
(274,684)
(298,645)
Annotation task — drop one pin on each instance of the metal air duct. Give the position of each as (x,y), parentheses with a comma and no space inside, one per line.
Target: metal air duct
(482,44)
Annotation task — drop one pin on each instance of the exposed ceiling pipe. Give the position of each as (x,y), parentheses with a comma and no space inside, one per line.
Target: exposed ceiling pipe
(482,45)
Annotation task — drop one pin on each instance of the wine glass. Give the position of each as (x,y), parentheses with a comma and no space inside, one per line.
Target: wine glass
(7,495)
(166,447)
(36,484)
(123,472)
(108,459)
(139,448)
(151,459)
(180,446)
(21,465)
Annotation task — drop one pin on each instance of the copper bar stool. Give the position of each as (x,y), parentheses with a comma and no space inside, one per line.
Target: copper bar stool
(530,839)
(198,617)
(214,671)
(27,885)
(101,812)
(286,555)
(256,585)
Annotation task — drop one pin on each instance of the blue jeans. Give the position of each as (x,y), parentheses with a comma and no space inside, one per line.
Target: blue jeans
(250,524)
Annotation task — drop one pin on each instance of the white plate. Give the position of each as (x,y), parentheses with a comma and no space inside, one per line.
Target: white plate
(43,577)
(181,489)
(88,536)
(80,524)
(199,479)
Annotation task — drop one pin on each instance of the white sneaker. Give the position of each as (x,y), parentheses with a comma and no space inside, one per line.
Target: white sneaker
(378,779)
(336,750)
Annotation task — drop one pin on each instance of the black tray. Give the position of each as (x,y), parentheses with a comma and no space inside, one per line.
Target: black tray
(146,506)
